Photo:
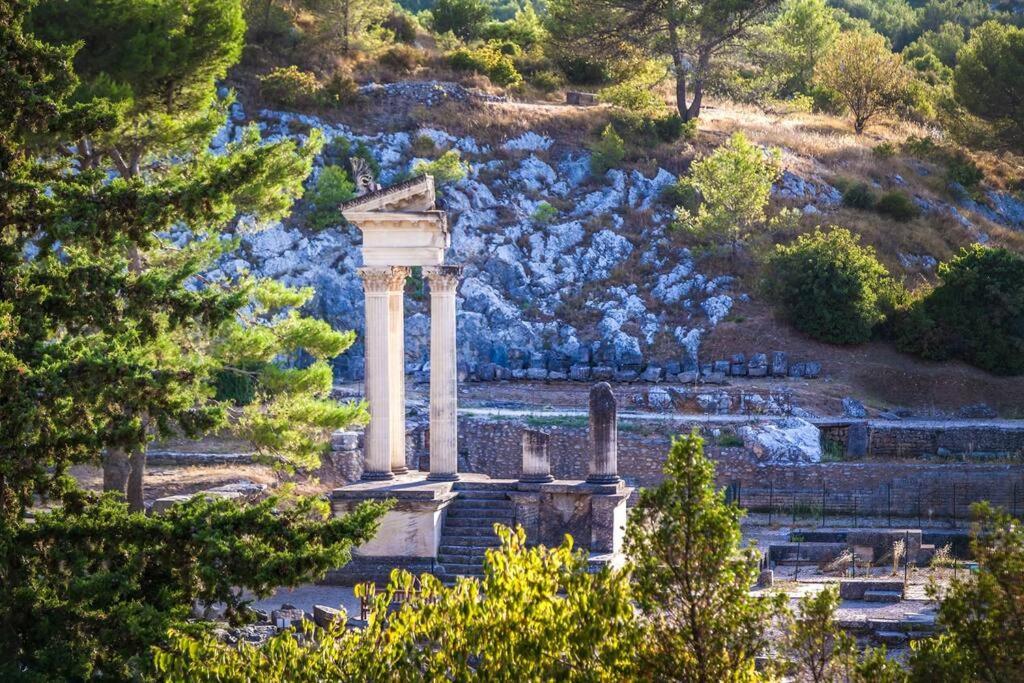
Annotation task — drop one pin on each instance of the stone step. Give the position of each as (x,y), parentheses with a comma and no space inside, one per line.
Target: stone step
(483,530)
(499,512)
(470,541)
(483,486)
(890,637)
(477,522)
(445,559)
(483,495)
(464,504)
(470,569)
(883,596)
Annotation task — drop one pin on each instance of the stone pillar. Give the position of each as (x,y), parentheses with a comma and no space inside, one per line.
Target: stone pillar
(396,367)
(444,465)
(380,380)
(536,462)
(604,467)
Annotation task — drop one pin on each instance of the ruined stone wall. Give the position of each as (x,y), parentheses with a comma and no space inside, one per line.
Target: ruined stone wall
(880,485)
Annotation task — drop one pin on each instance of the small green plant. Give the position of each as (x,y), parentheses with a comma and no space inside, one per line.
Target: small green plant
(423,146)
(885,150)
(859,196)
(544,213)
(729,440)
(961,169)
(489,60)
(607,152)
(402,58)
(831,450)
(547,80)
(340,90)
(332,187)
(898,206)
(568,421)
(899,551)
(447,168)
(290,86)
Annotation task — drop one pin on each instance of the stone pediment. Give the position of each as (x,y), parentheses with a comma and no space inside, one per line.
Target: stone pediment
(401,225)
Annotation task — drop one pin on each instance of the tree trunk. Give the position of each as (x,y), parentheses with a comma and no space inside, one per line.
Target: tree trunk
(116,469)
(693,111)
(138,471)
(679,65)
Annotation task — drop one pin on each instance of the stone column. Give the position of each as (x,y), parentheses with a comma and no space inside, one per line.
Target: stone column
(396,367)
(380,381)
(536,463)
(604,467)
(444,464)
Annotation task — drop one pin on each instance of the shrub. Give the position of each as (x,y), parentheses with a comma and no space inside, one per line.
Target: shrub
(898,206)
(976,313)
(544,213)
(607,152)
(859,196)
(547,80)
(447,168)
(423,146)
(885,150)
(487,60)
(289,86)
(464,18)
(961,169)
(646,130)
(403,25)
(341,89)
(402,58)
(331,189)
(830,287)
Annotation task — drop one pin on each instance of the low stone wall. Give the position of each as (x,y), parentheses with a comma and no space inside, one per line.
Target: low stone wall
(877,485)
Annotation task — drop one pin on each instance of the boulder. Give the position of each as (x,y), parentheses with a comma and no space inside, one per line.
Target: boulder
(757,366)
(780,363)
(579,372)
(812,370)
(659,399)
(652,374)
(854,408)
(788,441)
(325,616)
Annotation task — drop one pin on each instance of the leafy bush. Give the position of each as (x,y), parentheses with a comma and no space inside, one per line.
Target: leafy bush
(232,386)
(290,86)
(423,146)
(403,25)
(341,89)
(830,287)
(961,169)
(544,213)
(859,196)
(332,188)
(607,152)
(488,60)
(583,71)
(898,206)
(464,18)
(885,150)
(976,313)
(447,168)
(402,58)
(547,80)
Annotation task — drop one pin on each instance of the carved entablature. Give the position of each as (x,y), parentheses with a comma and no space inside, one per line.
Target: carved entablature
(401,224)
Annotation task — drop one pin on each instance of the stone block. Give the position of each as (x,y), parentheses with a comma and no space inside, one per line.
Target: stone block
(758,364)
(719,366)
(625,375)
(558,375)
(536,374)
(325,617)
(580,99)
(502,373)
(757,372)
(485,372)
(780,363)
(713,378)
(659,399)
(287,616)
(342,440)
(653,374)
(688,377)
(537,360)
(582,355)
(462,372)
(812,370)
(579,372)
(518,373)
(858,438)
(499,354)
(690,364)
(673,367)
(516,359)
(738,369)
(796,370)
(601,373)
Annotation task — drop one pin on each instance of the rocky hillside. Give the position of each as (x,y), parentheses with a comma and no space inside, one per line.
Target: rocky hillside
(596,287)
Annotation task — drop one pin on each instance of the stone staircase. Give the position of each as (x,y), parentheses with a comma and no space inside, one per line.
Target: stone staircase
(469,527)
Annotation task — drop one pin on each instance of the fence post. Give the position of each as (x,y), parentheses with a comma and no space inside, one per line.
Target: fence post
(954,506)
(1013,505)
(906,560)
(823,491)
(793,508)
(771,499)
(855,511)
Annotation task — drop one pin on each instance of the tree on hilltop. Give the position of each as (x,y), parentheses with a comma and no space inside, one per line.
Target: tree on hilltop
(690,33)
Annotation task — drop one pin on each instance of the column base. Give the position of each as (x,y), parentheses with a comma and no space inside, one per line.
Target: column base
(441,476)
(603,479)
(536,479)
(399,471)
(377,476)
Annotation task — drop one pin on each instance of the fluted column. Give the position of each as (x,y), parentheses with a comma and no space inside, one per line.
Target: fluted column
(536,462)
(396,368)
(604,438)
(443,378)
(377,285)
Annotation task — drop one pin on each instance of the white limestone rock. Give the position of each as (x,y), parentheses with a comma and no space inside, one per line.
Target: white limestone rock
(643,192)
(717,307)
(789,441)
(534,175)
(607,250)
(528,142)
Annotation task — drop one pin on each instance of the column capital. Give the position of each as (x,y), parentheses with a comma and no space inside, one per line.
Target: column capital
(443,278)
(384,278)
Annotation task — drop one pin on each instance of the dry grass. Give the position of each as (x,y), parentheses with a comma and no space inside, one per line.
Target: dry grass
(164,481)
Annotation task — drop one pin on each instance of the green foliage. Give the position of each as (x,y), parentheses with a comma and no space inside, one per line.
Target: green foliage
(815,645)
(339,90)
(289,86)
(332,188)
(829,286)
(607,152)
(402,25)
(868,76)
(524,29)
(884,150)
(447,168)
(981,637)
(651,130)
(547,80)
(487,59)
(989,79)
(544,213)
(402,58)
(90,587)
(898,206)
(859,196)
(537,615)
(975,313)
(464,18)
(692,576)
(734,183)
(896,20)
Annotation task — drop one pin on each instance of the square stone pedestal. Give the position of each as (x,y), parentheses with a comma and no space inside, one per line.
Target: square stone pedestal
(595,515)
(409,533)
